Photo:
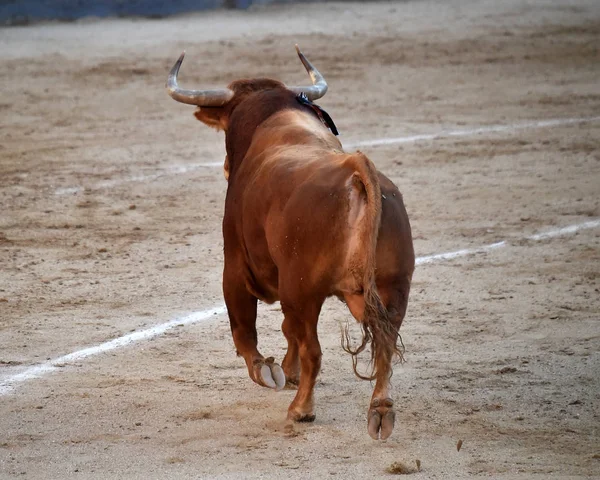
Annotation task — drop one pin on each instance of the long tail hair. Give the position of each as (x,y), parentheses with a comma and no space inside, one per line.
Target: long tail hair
(377,328)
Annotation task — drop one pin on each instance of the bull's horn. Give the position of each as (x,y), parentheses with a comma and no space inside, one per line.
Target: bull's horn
(201,98)
(319,86)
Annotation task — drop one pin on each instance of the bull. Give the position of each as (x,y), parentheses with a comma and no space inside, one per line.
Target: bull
(304,220)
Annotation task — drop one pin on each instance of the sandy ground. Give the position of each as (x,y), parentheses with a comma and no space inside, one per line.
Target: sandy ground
(109,223)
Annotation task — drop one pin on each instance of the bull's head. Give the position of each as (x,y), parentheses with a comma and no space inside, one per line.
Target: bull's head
(216,106)
(220,97)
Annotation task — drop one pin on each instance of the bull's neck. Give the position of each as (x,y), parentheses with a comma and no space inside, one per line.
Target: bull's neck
(258,112)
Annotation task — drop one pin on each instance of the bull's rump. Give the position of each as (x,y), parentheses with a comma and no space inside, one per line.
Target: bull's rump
(301,212)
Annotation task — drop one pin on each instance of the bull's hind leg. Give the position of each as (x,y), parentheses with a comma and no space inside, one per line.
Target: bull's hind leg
(300,328)
(381,416)
(291,361)
(241,307)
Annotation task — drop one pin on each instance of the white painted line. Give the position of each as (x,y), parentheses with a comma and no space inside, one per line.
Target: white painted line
(6,386)
(68,190)
(458,253)
(172,170)
(471,132)
(570,230)
(9,384)
(179,169)
(565,231)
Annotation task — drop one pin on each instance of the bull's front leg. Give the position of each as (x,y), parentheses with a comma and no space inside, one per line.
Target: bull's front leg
(241,307)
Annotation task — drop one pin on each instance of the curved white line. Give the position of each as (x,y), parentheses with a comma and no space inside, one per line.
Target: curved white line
(36,371)
(173,170)
(471,131)
(8,385)
(458,253)
(179,169)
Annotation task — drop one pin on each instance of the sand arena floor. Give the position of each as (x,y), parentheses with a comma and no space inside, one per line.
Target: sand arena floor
(111,201)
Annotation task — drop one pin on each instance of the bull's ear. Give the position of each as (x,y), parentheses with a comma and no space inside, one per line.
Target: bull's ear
(215,117)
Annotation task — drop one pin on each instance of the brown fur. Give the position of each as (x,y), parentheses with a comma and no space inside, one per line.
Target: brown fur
(377,328)
(304,221)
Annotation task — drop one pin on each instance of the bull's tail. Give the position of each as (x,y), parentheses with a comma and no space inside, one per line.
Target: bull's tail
(377,327)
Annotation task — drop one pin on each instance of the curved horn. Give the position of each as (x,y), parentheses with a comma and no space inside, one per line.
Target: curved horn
(319,86)
(201,98)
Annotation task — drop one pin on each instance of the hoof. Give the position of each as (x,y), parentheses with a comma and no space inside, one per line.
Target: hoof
(291,384)
(301,417)
(269,374)
(381,418)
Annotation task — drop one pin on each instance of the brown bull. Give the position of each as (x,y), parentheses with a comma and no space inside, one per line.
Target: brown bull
(303,221)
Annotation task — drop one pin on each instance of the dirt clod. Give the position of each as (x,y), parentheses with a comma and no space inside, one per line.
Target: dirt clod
(401,468)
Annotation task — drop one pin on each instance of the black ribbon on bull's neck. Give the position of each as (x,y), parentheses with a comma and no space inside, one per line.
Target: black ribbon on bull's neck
(322,114)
